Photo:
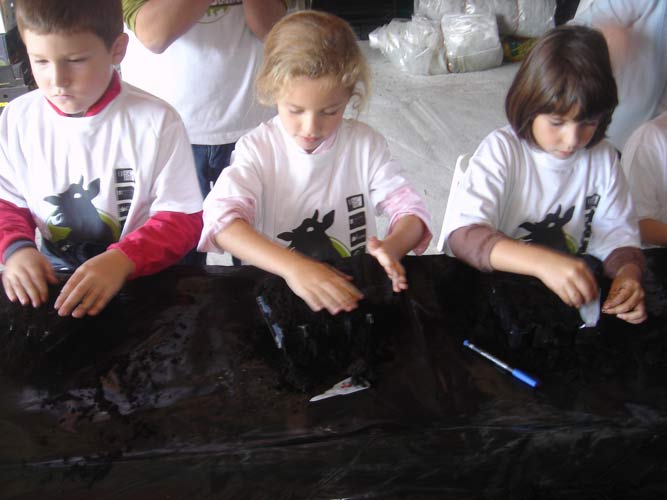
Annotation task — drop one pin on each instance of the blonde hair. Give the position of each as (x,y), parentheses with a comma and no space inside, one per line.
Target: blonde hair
(312,44)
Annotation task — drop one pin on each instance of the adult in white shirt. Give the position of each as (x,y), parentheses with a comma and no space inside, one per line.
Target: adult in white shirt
(635,34)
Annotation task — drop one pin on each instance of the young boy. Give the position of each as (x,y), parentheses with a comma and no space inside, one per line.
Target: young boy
(104,170)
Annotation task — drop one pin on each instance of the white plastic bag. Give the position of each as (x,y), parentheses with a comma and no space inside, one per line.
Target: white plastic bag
(472,42)
(435,9)
(415,46)
(506,12)
(526,18)
(536,17)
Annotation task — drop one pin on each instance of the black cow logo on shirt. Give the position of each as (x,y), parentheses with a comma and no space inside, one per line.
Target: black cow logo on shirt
(78,230)
(311,239)
(549,232)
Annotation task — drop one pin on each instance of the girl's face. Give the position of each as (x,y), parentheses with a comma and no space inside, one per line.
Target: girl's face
(561,135)
(312,109)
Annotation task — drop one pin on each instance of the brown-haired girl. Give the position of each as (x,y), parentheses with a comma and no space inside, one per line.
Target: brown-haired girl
(547,189)
(310,180)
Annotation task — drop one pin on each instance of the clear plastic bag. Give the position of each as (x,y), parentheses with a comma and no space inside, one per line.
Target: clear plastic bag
(506,12)
(524,18)
(536,17)
(415,46)
(459,43)
(435,9)
(472,42)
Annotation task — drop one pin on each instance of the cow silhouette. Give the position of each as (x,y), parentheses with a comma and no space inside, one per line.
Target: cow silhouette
(88,234)
(311,239)
(549,232)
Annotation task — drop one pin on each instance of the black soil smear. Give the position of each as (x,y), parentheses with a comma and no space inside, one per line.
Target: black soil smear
(523,323)
(178,390)
(320,349)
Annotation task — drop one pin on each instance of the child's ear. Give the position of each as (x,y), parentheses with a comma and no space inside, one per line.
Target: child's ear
(119,48)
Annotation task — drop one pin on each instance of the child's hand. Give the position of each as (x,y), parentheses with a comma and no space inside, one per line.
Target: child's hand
(391,264)
(626,297)
(26,277)
(93,284)
(323,287)
(569,278)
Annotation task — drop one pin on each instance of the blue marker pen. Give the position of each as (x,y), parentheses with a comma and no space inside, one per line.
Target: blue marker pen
(518,374)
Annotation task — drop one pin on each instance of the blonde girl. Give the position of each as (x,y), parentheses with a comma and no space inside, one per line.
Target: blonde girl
(303,189)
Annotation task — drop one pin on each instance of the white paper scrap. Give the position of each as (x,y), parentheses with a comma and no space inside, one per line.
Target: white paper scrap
(341,388)
(590,313)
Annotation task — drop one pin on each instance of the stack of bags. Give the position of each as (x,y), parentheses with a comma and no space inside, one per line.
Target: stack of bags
(460,35)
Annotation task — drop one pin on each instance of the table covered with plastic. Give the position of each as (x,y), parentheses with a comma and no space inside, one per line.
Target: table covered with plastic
(178,390)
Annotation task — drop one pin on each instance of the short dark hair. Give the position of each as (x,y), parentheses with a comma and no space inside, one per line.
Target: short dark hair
(567,69)
(103,18)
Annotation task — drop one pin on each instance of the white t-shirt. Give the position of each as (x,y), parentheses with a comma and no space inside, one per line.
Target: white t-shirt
(645,164)
(311,202)
(96,178)
(640,66)
(207,75)
(581,204)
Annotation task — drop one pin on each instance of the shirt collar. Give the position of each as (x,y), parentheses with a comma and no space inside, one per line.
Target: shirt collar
(109,95)
(325,146)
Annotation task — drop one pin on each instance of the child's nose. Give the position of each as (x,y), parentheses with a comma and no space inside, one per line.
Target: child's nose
(572,136)
(60,76)
(311,124)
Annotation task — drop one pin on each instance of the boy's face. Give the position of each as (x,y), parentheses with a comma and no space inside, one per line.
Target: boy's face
(73,70)
(312,109)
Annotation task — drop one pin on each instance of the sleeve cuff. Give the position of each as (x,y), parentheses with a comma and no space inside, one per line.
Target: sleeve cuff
(17,245)
(622,256)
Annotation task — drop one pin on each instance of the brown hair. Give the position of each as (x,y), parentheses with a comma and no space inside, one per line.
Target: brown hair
(312,44)
(103,18)
(567,69)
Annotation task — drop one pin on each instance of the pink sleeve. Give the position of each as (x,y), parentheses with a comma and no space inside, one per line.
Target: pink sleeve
(406,201)
(17,224)
(162,241)
(219,213)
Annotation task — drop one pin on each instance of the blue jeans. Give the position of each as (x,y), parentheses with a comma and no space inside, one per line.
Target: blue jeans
(209,162)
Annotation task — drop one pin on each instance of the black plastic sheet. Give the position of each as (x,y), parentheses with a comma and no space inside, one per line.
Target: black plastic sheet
(177,390)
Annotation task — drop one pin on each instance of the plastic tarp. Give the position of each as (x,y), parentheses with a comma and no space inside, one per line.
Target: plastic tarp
(177,390)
